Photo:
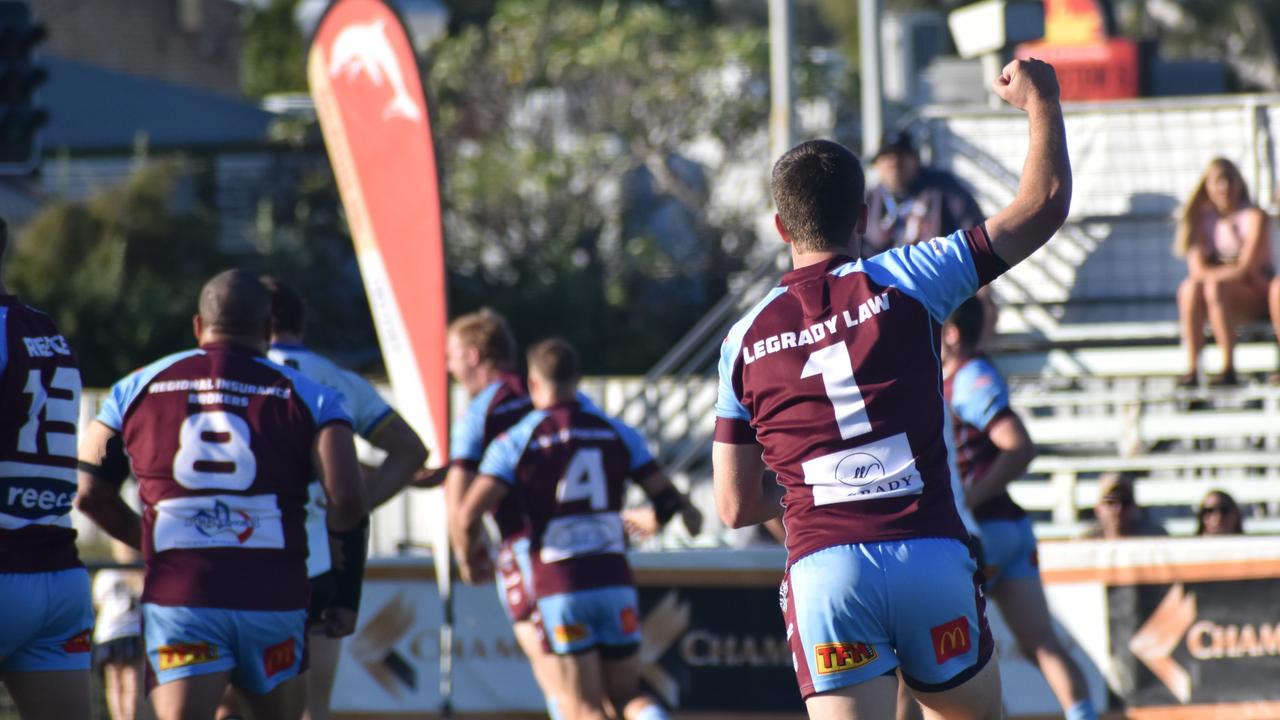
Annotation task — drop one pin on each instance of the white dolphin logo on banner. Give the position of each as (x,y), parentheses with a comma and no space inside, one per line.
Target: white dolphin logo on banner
(365,49)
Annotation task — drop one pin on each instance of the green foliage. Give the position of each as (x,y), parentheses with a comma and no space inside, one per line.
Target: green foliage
(119,273)
(561,128)
(273,57)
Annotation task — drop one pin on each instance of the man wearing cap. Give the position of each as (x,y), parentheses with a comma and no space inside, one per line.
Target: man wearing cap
(913,203)
(1118,512)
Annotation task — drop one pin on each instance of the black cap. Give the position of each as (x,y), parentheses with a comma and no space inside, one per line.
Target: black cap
(896,141)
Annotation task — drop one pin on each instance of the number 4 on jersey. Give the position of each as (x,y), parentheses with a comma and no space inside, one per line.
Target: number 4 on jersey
(585,480)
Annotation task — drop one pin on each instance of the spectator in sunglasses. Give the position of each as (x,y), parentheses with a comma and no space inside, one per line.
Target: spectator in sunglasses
(1118,513)
(1219,515)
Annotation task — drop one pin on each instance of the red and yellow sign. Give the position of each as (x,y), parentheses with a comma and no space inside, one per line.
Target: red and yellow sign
(179,655)
(839,657)
(951,639)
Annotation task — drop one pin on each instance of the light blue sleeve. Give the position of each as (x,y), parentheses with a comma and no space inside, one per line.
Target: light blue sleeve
(637,448)
(326,404)
(979,394)
(466,438)
(503,454)
(126,390)
(939,273)
(366,406)
(728,405)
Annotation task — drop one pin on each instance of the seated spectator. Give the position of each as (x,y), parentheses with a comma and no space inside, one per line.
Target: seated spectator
(1225,241)
(1118,514)
(1219,515)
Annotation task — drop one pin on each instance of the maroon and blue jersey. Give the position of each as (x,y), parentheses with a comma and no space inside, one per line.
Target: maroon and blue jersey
(39,410)
(836,373)
(221,441)
(978,396)
(492,412)
(571,463)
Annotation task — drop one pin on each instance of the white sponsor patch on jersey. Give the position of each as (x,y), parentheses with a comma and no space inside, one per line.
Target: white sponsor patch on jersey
(881,469)
(218,521)
(578,535)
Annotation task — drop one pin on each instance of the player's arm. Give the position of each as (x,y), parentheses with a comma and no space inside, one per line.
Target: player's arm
(103,468)
(1044,192)
(465,532)
(405,456)
(1017,451)
(743,497)
(668,502)
(347,516)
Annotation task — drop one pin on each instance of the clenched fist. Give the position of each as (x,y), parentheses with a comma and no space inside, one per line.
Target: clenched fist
(1024,83)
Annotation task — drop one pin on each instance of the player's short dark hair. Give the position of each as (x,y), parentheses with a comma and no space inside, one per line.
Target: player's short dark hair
(288,310)
(555,360)
(235,302)
(487,332)
(819,189)
(969,319)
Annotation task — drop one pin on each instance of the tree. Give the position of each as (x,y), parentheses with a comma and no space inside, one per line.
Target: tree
(273,58)
(120,272)
(566,132)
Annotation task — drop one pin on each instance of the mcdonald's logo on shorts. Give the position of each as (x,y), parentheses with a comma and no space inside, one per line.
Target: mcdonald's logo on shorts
(279,657)
(180,655)
(951,639)
(839,657)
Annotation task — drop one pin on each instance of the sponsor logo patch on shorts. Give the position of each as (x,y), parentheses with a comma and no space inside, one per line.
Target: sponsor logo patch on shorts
(630,623)
(565,634)
(180,655)
(279,657)
(838,657)
(951,639)
(80,643)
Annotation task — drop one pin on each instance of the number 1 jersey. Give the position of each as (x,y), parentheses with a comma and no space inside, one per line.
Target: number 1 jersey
(221,441)
(836,373)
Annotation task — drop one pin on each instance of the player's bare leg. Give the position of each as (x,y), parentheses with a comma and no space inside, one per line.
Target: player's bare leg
(977,699)
(286,702)
(622,690)
(320,676)
(1025,609)
(1191,315)
(56,694)
(908,708)
(546,671)
(583,693)
(121,687)
(870,700)
(191,698)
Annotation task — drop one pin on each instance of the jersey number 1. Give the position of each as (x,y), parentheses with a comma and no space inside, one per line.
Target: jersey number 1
(835,367)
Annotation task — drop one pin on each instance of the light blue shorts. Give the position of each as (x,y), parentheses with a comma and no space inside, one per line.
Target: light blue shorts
(856,612)
(46,621)
(1010,547)
(605,619)
(261,648)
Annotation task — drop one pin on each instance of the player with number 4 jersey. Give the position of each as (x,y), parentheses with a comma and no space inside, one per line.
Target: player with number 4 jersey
(570,464)
(223,443)
(44,589)
(833,380)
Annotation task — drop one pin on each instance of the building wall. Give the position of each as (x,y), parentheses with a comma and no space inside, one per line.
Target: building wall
(186,42)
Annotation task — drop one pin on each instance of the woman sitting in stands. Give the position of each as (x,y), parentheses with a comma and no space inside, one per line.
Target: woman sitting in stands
(1225,240)
(1219,515)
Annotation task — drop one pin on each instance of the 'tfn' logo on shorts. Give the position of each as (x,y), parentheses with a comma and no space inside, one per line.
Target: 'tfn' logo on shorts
(565,634)
(180,655)
(279,657)
(838,657)
(80,643)
(951,639)
(630,623)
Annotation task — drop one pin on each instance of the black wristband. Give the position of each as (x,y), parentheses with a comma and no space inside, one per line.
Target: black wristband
(348,564)
(666,504)
(115,463)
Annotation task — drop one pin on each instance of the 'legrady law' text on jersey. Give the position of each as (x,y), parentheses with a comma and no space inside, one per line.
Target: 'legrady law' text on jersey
(39,409)
(836,373)
(571,463)
(221,441)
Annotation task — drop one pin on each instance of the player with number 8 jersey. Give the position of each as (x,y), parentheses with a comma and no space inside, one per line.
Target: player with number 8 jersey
(222,442)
